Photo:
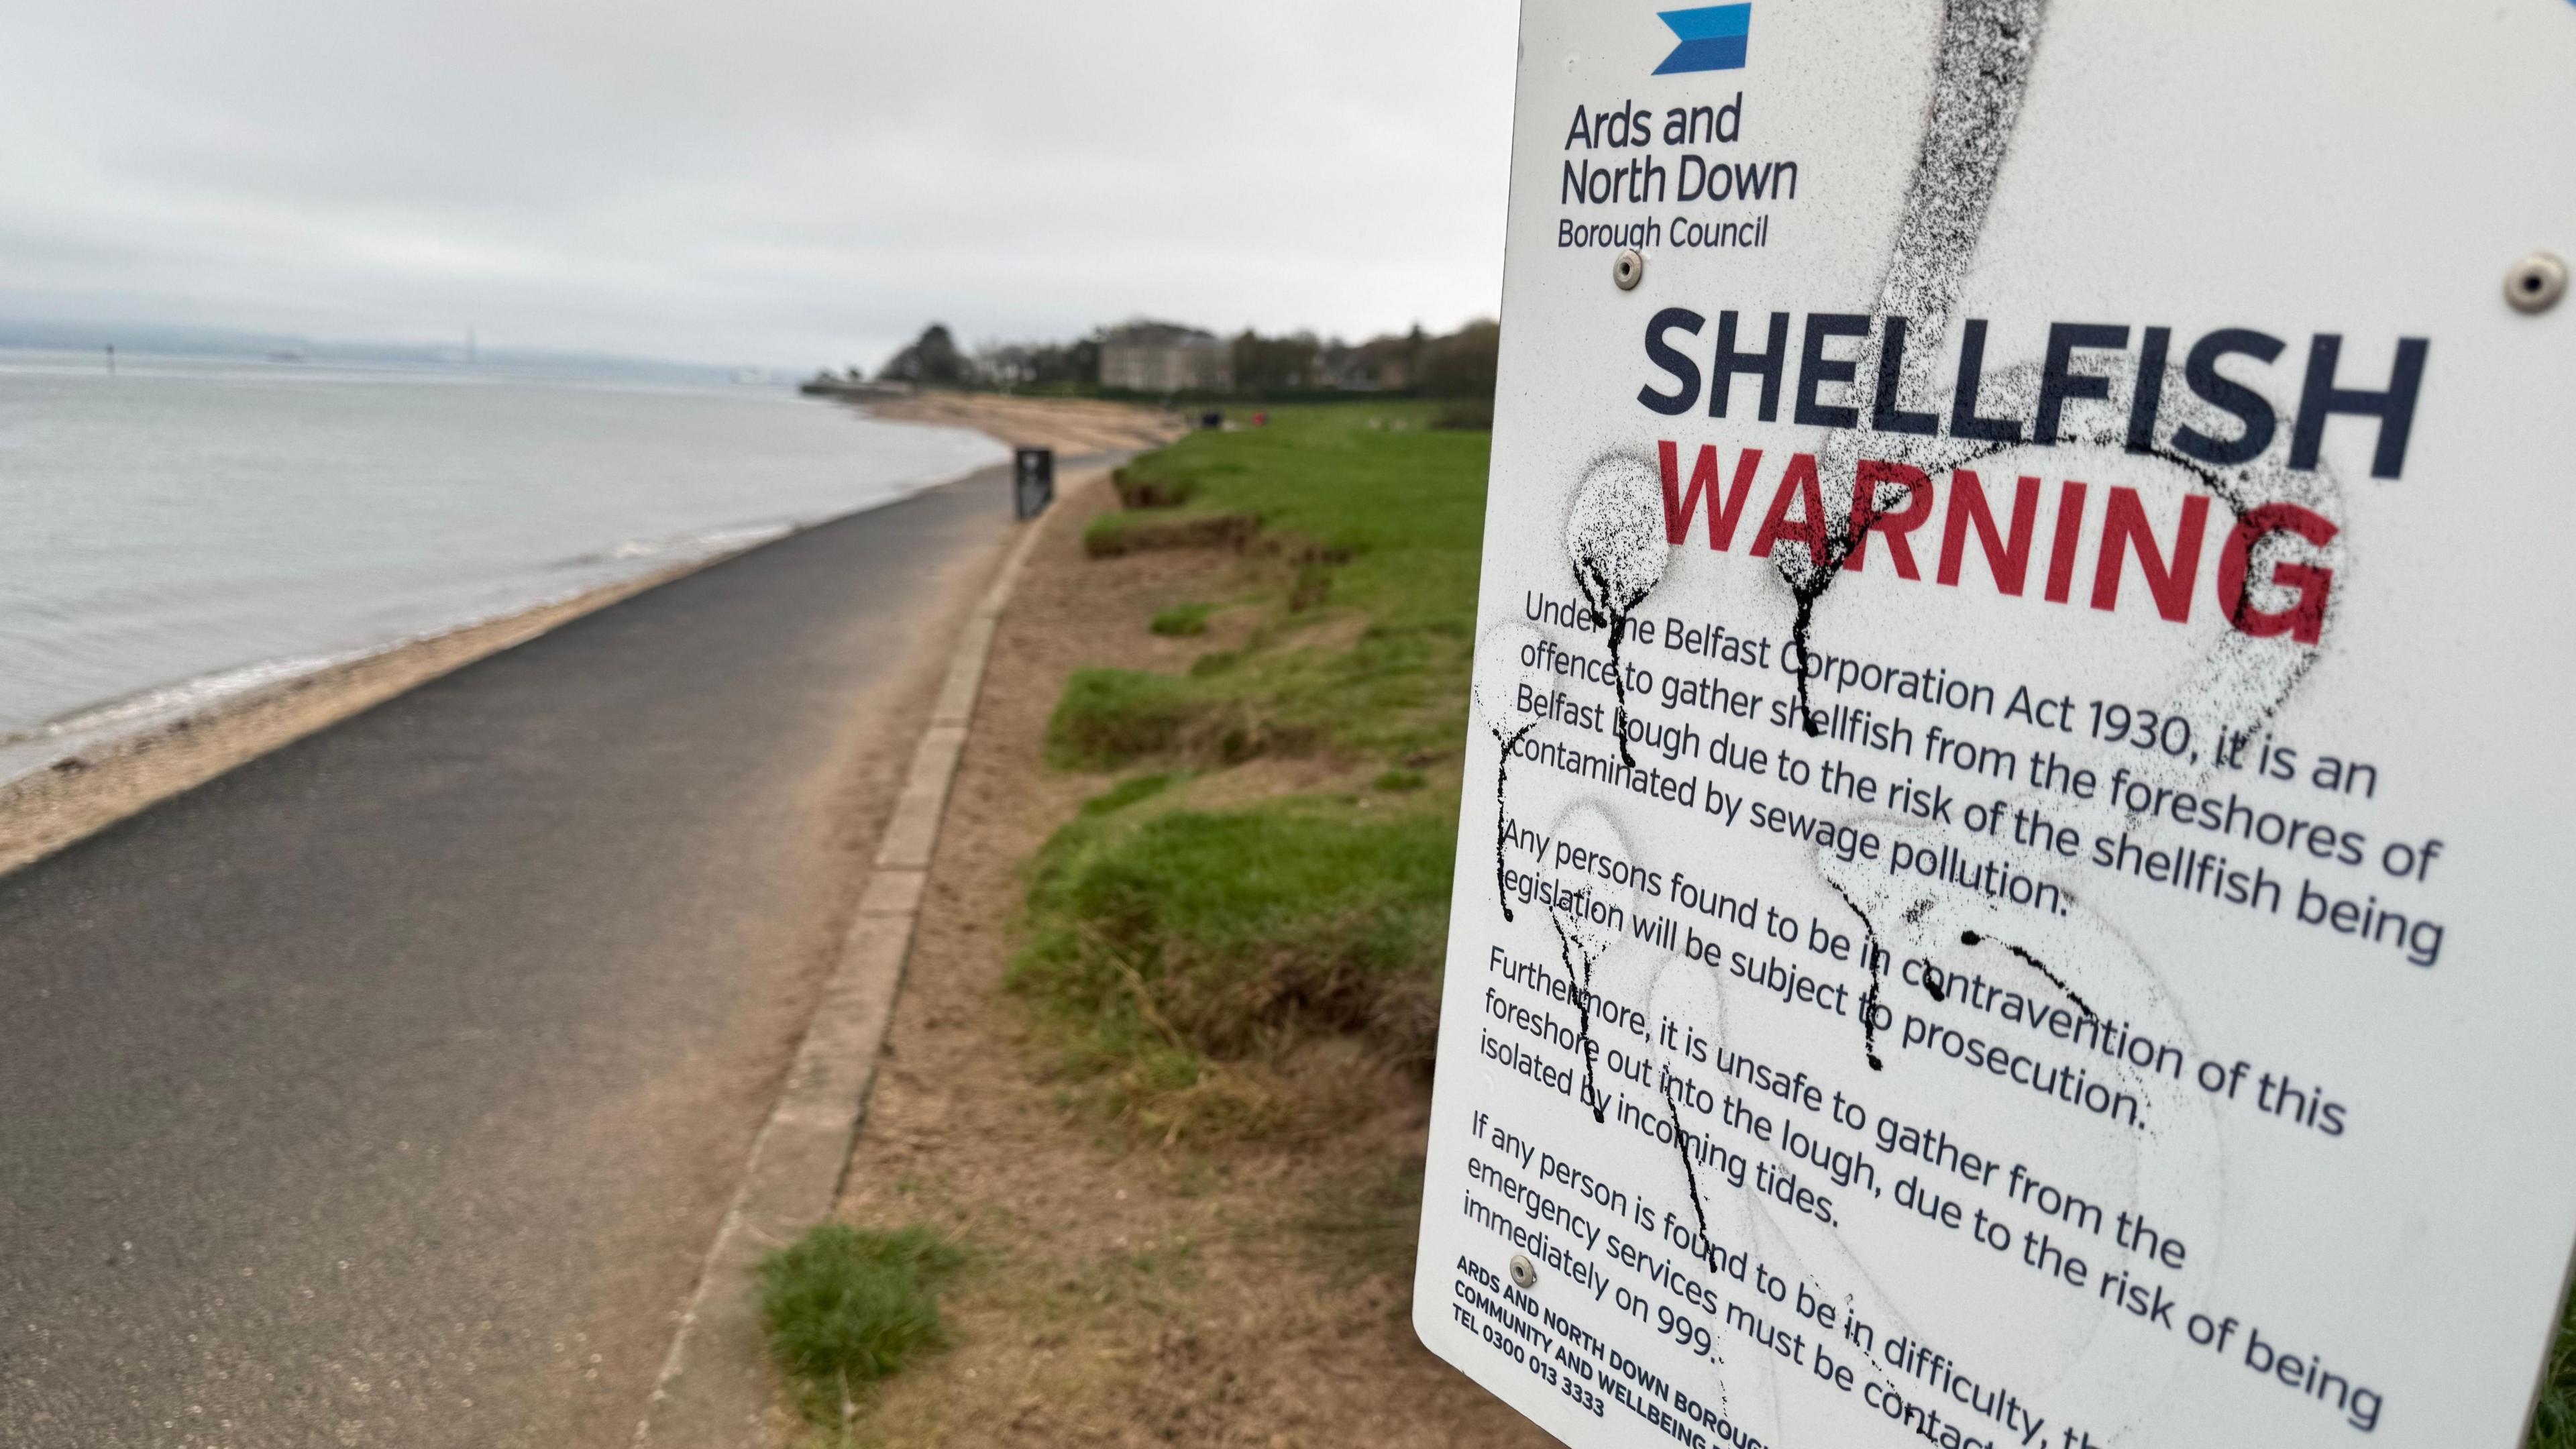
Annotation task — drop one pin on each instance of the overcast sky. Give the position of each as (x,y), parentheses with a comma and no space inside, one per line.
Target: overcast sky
(789,182)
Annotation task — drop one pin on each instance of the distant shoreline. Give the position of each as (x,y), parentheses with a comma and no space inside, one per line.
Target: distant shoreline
(1071,426)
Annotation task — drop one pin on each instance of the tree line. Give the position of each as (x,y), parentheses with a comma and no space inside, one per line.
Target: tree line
(1457,365)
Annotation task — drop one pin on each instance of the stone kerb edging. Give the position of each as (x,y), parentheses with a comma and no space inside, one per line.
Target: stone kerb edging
(714,1389)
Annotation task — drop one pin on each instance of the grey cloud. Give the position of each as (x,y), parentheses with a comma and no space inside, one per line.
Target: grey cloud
(779,181)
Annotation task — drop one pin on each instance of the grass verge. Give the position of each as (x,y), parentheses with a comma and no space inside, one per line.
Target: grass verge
(1181,621)
(1360,528)
(1224,961)
(1172,948)
(846,1308)
(1219,953)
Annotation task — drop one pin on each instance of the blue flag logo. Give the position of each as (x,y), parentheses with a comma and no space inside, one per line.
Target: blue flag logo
(1712,38)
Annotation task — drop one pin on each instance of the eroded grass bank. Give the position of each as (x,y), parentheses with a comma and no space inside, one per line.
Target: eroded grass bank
(1161,1066)
(1226,951)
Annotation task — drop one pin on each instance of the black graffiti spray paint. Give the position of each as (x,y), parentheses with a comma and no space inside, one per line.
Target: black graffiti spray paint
(1565,941)
(1690,1174)
(1874,957)
(1987,48)
(1499,656)
(1973,938)
(1502,812)
(1614,536)
(1979,75)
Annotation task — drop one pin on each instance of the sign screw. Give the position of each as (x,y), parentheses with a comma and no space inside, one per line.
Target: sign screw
(1630,269)
(2534,285)
(1524,1272)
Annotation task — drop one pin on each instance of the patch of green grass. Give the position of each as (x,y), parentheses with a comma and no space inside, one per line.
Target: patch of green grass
(1112,534)
(1109,717)
(1374,513)
(1182,621)
(1227,972)
(1127,792)
(1102,537)
(845,1308)
(1405,505)
(1143,492)
(1475,414)
(1168,946)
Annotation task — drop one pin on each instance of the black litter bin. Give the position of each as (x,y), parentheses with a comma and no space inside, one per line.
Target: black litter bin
(1032,481)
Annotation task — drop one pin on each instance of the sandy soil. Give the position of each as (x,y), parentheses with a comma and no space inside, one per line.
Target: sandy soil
(44,812)
(1123,1296)
(1068,425)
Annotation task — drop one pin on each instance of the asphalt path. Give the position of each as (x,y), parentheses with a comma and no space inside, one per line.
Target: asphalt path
(387,1090)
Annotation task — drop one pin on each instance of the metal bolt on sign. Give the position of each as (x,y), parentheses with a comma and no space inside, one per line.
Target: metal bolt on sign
(2536,283)
(1524,1272)
(1629,270)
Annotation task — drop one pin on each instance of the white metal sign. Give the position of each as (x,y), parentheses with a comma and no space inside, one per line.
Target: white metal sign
(2014,886)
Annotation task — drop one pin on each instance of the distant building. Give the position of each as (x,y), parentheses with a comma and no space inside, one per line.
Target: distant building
(1162,357)
(1380,364)
(1003,364)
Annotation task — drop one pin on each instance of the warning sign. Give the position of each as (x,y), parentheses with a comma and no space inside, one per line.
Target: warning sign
(2023,895)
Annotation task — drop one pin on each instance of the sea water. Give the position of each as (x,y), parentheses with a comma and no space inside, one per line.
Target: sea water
(184,530)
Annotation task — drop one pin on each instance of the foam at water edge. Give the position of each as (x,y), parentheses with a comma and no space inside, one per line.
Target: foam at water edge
(184,697)
(32,751)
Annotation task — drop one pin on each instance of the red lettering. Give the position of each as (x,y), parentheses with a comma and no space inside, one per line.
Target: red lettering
(2070,529)
(1797,516)
(2125,529)
(2305,618)
(2008,562)
(1867,516)
(1679,506)
(1797,483)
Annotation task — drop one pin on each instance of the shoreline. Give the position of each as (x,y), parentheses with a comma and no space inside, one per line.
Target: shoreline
(564,911)
(103,778)
(1072,426)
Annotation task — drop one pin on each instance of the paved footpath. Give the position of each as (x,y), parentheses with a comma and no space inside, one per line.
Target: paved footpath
(388,1090)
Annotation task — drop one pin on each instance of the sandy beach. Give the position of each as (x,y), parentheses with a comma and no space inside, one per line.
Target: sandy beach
(87,791)
(1071,426)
